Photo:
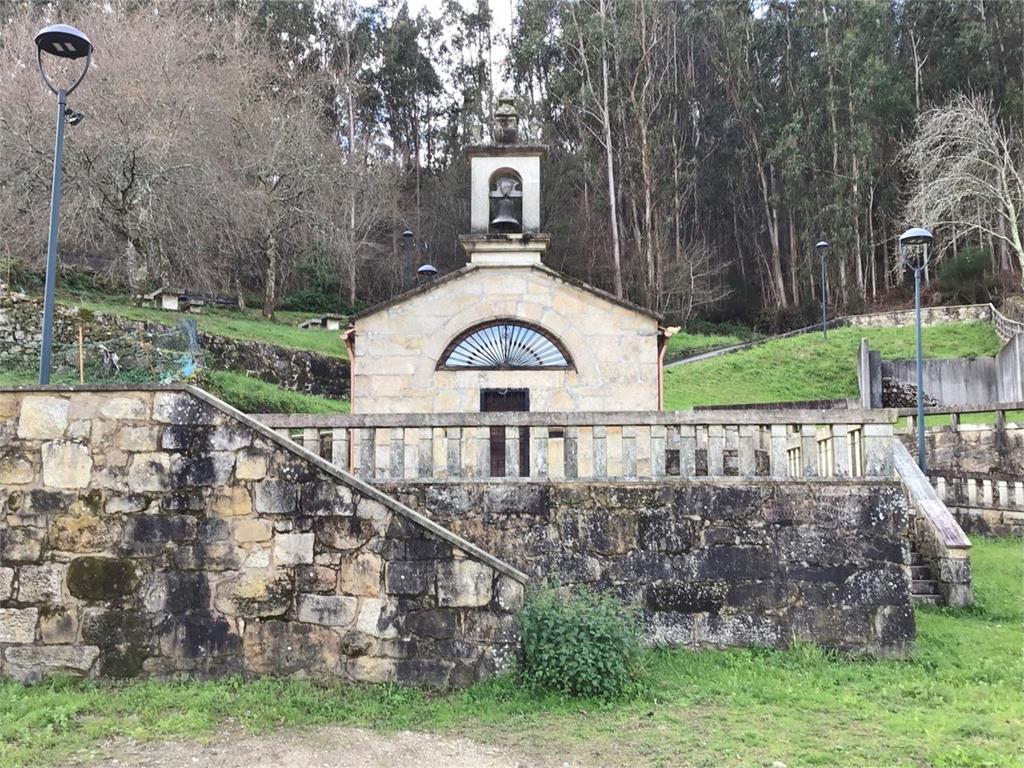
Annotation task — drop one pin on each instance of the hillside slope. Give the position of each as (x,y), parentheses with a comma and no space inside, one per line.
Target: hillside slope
(808,368)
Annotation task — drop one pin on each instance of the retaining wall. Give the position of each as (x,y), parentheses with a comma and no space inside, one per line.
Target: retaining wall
(162,533)
(711,563)
(297,370)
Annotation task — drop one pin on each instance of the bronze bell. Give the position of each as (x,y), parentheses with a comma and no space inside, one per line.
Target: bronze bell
(506,191)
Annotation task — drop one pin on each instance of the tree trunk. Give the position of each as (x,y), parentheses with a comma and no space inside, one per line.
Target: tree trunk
(606,119)
(270,275)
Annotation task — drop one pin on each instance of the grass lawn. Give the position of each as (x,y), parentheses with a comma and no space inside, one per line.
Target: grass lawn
(957,702)
(247,394)
(251,395)
(683,343)
(248,325)
(807,368)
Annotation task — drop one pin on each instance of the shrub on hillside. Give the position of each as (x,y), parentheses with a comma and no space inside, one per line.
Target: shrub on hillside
(585,644)
(964,278)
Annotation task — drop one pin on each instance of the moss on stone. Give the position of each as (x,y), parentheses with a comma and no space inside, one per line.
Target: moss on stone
(101,578)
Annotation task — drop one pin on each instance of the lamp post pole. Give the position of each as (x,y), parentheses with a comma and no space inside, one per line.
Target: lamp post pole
(822,247)
(919,240)
(51,244)
(63,42)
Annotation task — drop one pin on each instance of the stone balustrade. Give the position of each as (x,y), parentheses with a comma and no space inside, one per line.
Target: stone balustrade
(634,446)
(991,504)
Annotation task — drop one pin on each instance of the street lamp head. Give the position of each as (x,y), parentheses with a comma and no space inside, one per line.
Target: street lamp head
(63,41)
(427,270)
(914,245)
(916,236)
(821,245)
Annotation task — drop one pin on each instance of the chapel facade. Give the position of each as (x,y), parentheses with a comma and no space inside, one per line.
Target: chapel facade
(505,332)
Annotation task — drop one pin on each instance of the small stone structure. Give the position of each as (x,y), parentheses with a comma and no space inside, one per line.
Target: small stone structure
(162,533)
(506,332)
(328,322)
(711,564)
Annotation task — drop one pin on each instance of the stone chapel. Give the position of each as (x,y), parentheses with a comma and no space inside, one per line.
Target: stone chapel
(505,332)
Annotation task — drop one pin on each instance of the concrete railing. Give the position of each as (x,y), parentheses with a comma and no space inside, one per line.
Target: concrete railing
(1004,413)
(978,490)
(939,538)
(599,446)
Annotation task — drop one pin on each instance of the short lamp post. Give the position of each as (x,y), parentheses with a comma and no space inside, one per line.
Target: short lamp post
(822,247)
(64,42)
(914,246)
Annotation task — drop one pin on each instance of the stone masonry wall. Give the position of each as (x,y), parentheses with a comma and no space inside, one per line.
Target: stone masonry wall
(297,370)
(711,564)
(160,533)
(972,448)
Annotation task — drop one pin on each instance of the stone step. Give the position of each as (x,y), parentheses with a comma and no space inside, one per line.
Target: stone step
(926,599)
(920,572)
(921,587)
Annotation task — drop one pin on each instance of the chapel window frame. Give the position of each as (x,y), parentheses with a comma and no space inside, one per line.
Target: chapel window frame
(442,364)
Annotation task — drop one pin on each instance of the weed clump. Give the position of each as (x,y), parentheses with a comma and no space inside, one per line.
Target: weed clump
(582,645)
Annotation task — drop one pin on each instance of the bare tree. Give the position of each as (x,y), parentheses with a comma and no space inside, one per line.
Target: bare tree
(967,166)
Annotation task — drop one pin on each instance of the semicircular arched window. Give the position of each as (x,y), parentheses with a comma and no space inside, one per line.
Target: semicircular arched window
(504,345)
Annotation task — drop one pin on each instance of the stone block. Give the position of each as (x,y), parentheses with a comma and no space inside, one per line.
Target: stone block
(293,548)
(408,577)
(233,501)
(371,669)
(149,533)
(328,610)
(101,579)
(315,578)
(230,437)
(18,625)
(6,583)
(376,618)
(138,439)
(149,472)
(510,593)
(208,469)
(276,497)
(120,408)
(250,465)
(40,583)
(182,408)
(66,464)
(126,505)
(251,529)
(258,557)
(21,545)
(255,594)
(360,575)
(59,626)
(32,664)
(464,583)
(344,533)
(42,418)
(15,468)
(292,648)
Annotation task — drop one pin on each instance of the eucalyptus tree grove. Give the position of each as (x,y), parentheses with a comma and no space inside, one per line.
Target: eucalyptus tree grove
(698,149)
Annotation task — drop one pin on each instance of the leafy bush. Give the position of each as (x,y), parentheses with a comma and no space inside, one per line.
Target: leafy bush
(963,278)
(581,645)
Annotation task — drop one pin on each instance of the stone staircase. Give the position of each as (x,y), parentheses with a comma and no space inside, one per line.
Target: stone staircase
(924,589)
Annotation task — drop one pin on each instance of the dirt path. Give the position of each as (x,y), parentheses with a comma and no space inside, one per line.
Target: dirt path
(314,748)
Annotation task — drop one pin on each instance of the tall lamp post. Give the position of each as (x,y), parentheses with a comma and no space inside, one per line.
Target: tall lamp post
(64,42)
(822,247)
(914,246)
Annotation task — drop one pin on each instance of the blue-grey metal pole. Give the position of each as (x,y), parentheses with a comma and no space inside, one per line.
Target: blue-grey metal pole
(51,246)
(824,296)
(922,460)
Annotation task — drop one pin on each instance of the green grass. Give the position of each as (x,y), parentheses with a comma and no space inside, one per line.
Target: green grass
(684,343)
(251,395)
(956,702)
(807,368)
(248,325)
(247,394)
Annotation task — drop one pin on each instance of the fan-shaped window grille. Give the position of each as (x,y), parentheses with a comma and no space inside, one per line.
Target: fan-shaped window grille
(505,344)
